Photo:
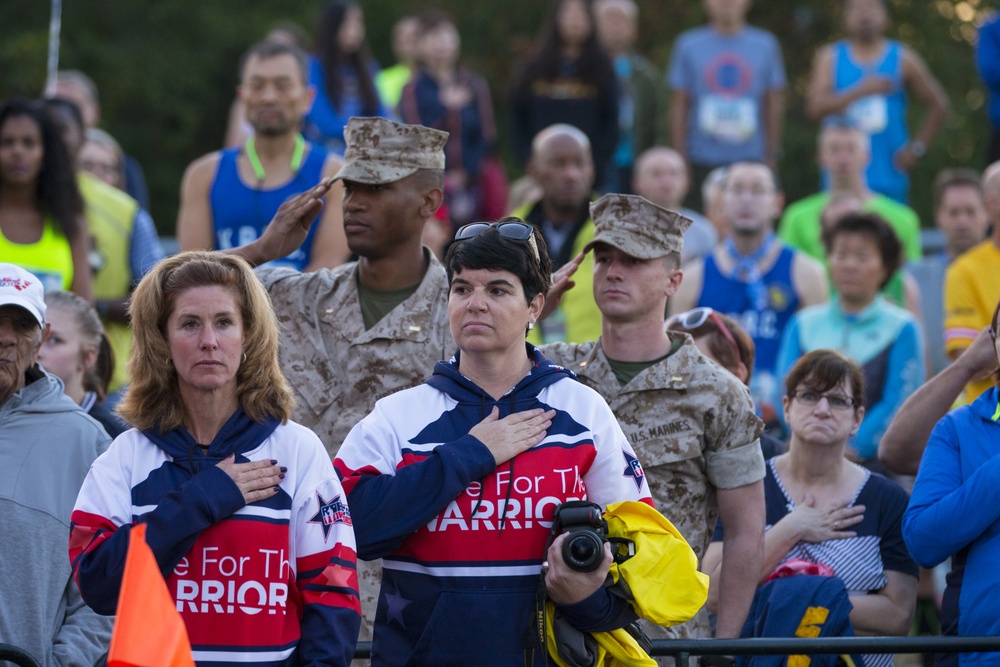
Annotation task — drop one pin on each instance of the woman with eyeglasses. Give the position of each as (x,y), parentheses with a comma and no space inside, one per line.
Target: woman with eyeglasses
(454,483)
(824,509)
(954,508)
(883,339)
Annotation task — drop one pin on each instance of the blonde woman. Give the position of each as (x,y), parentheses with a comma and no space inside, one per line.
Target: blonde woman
(244,513)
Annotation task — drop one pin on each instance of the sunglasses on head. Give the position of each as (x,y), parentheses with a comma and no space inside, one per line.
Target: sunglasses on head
(518,231)
(693,319)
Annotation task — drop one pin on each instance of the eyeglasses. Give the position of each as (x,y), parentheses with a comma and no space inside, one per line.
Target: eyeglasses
(693,319)
(835,401)
(518,231)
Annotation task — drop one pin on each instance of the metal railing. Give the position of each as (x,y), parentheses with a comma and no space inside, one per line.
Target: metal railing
(681,650)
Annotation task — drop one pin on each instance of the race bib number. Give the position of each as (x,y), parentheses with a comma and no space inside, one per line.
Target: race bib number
(869,114)
(729,119)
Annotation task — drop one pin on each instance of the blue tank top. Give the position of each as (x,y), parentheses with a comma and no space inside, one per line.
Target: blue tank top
(732,297)
(240,213)
(882,117)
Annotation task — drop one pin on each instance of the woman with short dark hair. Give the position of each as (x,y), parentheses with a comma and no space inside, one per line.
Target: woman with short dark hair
(883,339)
(454,483)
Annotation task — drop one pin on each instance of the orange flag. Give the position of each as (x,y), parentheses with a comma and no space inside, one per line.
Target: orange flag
(149,632)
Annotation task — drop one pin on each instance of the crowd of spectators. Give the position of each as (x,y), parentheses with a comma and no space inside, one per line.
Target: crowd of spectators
(767,361)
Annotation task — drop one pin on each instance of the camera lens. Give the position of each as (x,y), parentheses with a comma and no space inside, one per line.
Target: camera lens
(583,551)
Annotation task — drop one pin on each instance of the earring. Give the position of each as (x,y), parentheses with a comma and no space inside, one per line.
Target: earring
(531,325)
(244,357)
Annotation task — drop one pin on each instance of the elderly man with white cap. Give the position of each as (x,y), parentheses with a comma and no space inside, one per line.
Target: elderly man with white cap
(369,328)
(691,423)
(47,443)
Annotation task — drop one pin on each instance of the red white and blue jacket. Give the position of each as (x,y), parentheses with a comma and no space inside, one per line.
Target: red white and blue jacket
(462,540)
(271,583)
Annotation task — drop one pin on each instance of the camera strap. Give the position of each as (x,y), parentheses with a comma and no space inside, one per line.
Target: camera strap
(534,636)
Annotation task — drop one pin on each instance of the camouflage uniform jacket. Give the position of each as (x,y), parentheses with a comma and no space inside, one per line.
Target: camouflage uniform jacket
(338,370)
(693,427)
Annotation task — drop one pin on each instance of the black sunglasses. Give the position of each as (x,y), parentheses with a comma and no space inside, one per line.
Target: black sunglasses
(518,231)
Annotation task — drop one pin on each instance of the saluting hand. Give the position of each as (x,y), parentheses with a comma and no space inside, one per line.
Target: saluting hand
(291,222)
(562,282)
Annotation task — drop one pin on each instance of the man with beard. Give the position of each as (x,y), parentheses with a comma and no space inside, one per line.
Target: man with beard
(753,277)
(228,197)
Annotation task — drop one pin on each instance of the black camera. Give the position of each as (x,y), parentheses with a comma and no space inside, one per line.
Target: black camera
(583,549)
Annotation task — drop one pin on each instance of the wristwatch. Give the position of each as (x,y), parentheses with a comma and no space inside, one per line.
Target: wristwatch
(917,148)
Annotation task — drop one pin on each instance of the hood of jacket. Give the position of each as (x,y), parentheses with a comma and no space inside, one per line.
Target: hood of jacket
(239,435)
(522,396)
(44,394)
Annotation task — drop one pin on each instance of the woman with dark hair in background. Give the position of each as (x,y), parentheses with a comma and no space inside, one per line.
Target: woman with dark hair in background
(826,510)
(42,228)
(78,353)
(447,97)
(569,79)
(343,72)
(882,338)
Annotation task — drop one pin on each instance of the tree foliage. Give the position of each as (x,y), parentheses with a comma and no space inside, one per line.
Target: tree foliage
(167,70)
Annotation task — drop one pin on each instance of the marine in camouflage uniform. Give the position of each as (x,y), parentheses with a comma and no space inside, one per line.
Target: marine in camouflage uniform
(336,367)
(691,423)
(693,427)
(341,351)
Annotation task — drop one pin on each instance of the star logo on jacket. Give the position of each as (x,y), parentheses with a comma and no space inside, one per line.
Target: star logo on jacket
(633,470)
(395,603)
(330,512)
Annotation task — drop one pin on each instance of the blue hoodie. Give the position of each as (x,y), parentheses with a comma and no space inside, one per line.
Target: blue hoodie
(954,511)
(463,539)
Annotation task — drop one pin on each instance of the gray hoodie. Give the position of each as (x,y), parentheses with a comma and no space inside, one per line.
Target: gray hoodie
(47,444)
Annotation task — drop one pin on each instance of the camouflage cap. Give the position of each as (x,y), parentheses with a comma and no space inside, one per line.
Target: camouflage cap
(637,226)
(382,151)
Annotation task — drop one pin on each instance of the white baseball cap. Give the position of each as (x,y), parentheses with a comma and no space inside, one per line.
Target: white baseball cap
(21,288)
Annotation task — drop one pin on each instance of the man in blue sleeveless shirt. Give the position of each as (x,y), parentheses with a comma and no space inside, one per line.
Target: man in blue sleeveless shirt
(752,276)
(866,77)
(229,196)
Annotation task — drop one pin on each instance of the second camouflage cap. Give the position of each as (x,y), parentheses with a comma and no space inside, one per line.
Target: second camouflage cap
(637,226)
(382,151)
